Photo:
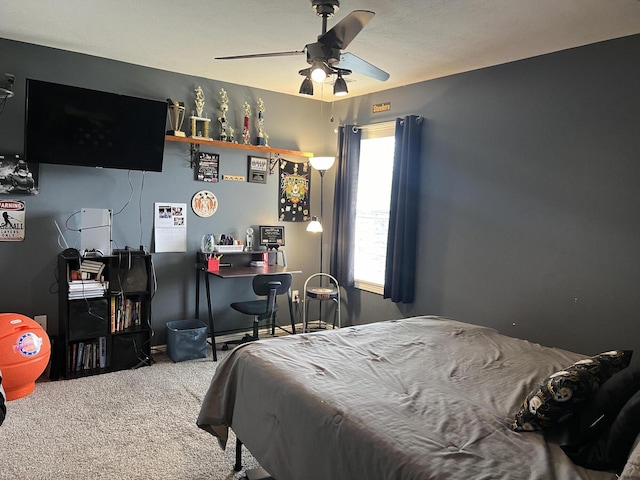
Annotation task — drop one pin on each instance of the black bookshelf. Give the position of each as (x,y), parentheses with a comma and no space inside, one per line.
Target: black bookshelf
(104,313)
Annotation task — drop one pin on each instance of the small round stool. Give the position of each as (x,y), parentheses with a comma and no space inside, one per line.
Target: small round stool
(321,294)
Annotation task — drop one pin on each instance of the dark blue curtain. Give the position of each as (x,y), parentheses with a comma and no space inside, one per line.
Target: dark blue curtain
(400,274)
(343,242)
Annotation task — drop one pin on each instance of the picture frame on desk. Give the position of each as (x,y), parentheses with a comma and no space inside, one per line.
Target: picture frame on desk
(257,169)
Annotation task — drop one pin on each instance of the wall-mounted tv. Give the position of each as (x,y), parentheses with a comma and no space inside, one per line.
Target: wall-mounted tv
(69,125)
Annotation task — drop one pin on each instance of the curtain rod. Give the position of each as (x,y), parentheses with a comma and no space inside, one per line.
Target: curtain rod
(381,125)
(375,126)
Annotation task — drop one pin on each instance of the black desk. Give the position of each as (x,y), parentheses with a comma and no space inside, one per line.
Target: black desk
(236,271)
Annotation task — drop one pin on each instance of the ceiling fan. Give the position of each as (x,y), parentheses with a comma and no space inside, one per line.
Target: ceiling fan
(325,55)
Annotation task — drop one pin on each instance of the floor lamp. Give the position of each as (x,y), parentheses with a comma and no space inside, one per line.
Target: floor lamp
(321,164)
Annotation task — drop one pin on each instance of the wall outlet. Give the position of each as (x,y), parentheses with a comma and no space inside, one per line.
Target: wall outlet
(295,296)
(42,321)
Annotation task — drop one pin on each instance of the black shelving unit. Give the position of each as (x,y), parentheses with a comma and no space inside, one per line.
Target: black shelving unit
(105,320)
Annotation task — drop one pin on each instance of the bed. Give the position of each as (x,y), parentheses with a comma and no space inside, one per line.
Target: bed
(417,398)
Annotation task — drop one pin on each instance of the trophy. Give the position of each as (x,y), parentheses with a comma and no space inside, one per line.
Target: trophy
(175,113)
(245,131)
(224,107)
(232,135)
(197,119)
(249,245)
(261,135)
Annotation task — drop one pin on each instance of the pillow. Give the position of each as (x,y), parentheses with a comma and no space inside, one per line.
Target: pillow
(610,450)
(3,407)
(559,396)
(598,413)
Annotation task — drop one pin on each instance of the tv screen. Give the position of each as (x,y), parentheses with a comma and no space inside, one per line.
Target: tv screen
(76,126)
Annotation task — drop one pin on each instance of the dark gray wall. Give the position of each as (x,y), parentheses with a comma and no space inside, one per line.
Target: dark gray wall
(529,210)
(28,281)
(530,205)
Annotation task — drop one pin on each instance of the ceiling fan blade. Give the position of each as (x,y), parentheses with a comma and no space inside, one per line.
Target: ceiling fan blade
(261,55)
(346,29)
(349,61)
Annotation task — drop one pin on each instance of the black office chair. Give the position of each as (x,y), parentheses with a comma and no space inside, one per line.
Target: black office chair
(269,286)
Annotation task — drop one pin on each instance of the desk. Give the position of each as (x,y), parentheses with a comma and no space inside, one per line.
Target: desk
(236,271)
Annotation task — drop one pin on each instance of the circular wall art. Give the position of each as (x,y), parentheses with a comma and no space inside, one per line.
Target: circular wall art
(204,203)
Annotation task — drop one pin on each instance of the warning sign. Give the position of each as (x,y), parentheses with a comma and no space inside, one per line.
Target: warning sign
(11,220)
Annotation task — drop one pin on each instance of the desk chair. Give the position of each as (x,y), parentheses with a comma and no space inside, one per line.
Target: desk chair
(332,293)
(269,286)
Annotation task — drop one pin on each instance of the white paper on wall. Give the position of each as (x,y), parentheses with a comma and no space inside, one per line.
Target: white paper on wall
(170,227)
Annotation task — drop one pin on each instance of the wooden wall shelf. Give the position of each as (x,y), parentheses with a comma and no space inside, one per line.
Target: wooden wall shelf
(239,146)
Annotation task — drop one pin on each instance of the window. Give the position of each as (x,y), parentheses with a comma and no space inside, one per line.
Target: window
(372,205)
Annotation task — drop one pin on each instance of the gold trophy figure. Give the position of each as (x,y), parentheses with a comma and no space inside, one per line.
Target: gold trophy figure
(232,134)
(224,108)
(261,134)
(245,130)
(199,101)
(197,120)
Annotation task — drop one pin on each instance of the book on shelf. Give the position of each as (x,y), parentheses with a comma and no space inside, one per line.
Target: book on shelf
(125,313)
(88,355)
(86,288)
(79,356)
(102,355)
(92,267)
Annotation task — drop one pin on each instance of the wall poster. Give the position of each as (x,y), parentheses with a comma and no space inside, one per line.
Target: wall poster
(17,176)
(295,190)
(170,227)
(12,221)
(208,166)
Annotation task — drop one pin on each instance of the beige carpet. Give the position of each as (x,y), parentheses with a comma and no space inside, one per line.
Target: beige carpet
(133,424)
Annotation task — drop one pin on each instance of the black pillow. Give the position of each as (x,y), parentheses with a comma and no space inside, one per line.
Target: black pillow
(599,413)
(609,452)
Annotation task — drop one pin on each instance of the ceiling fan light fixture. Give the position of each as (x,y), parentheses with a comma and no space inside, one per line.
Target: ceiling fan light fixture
(340,86)
(306,88)
(318,73)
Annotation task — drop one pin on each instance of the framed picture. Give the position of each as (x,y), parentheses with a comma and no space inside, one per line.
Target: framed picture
(258,168)
(208,165)
(271,235)
(17,176)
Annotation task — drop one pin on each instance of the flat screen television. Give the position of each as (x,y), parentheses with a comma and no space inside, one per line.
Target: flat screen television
(77,126)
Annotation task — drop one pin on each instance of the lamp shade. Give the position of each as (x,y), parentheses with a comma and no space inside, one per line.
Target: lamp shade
(322,163)
(340,87)
(307,87)
(314,225)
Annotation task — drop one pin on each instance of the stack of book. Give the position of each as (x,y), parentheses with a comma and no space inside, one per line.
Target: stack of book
(86,289)
(88,355)
(88,282)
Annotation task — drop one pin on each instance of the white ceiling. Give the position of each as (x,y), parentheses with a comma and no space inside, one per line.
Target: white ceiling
(413,40)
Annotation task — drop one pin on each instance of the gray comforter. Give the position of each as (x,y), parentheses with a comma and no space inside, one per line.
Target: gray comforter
(418,398)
